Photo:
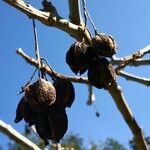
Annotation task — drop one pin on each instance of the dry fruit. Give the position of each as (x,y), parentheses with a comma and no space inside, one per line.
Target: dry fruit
(78,57)
(104,45)
(65,93)
(24,111)
(41,94)
(52,125)
(101,72)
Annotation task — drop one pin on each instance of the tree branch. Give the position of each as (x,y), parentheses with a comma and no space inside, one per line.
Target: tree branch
(124,109)
(74,12)
(48,70)
(134,78)
(52,19)
(16,136)
(131,59)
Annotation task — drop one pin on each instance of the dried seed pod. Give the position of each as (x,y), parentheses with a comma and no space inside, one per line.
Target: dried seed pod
(52,125)
(101,72)
(19,116)
(40,94)
(58,116)
(32,97)
(78,57)
(29,114)
(44,128)
(24,111)
(104,45)
(46,92)
(65,93)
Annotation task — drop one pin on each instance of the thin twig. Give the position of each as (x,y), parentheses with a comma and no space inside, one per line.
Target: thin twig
(140,62)
(48,70)
(84,12)
(17,137)
(141,80)
(131,59)
(87,15)
(37,53)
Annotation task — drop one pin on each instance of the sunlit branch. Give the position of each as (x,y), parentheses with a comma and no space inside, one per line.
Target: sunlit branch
(141,80)
(48,70)
(118,97)
(133,58)
(17,137)
(52,19)
(74,12)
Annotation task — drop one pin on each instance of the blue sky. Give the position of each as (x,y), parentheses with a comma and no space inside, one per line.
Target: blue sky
(127,21)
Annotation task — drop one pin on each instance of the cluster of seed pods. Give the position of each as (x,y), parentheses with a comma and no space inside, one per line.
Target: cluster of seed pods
(82,57)
(44,105)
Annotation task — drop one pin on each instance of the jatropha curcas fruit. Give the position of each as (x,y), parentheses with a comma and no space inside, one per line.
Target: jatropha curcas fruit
(101,72)
(65,93)
(25,111)
(38,107)
(52,125)
(40,94)
(104,45)
(78,57)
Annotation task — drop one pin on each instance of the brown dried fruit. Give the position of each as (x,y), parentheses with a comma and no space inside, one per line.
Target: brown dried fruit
(78,57)
(24,111)
(65,93)
(19,116)
(58,116)
(52,125)
(104,45)
(101,72)
(40,94)
(44,128)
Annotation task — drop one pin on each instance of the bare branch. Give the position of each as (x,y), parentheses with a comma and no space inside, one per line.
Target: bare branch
(52,19)
(46,68)
(16,136)
(144,81)
(131,59)
(124,109)
(74,12)
(140,62)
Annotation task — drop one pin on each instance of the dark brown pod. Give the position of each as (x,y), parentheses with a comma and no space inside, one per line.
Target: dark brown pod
(104,45)
(59,118)
(52,125)
(44,129)
(24,111)
(101,72)
(78,57)
(29,114)
(32,98)
(40,94)
(19,116)
(65,93)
